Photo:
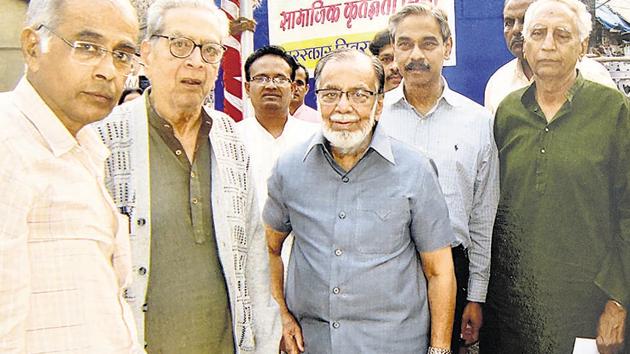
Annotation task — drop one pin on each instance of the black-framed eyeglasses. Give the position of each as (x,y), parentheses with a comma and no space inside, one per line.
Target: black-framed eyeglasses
(88,53)
(264,80)
(354,96)
(182,47)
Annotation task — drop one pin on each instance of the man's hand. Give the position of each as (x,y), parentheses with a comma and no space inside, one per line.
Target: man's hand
(242,24)
(472,319)
(292,341)
(611,328)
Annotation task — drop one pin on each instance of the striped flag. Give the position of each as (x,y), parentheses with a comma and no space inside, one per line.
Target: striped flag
(232,81)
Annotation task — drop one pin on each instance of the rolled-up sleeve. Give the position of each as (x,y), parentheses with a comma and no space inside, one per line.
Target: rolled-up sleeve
(275,213)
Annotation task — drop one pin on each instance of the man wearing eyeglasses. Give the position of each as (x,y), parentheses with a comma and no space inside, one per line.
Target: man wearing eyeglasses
(64,249)
(181,173)
(369,221)
(298,108)
(456,133)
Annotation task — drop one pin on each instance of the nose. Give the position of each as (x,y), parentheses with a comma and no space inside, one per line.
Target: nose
(343,106)
(195,60)
(416,53)
(549,43)
(518,26)
(105,69)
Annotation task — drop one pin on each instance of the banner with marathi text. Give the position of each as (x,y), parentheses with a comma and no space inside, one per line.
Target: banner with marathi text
(309,29)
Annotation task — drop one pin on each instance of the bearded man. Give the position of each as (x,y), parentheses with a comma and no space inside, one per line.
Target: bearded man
(370,223)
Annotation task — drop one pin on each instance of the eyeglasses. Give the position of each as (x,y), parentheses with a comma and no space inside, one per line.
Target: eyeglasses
(278,80)
(333,96)
(182,47)
(88,53)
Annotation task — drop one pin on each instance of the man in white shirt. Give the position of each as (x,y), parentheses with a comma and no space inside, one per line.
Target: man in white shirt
(298,108)
(270,72)
(64,249)
(456,133)
(517,73)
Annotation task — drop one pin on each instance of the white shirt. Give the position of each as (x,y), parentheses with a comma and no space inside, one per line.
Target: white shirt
(457,135)
(510,77)
(264,149)
(307,114)
(64,249)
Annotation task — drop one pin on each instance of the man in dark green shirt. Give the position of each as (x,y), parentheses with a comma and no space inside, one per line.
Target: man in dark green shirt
(561,248)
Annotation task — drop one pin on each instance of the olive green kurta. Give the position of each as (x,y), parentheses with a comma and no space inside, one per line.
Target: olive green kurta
(561,245)
(188,306)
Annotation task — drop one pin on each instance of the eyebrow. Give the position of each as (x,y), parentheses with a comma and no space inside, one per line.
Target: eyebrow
(97,37)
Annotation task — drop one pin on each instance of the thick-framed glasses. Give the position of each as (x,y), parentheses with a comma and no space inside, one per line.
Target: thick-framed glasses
(182,47)
(333,96)
(265,80)
(88,53)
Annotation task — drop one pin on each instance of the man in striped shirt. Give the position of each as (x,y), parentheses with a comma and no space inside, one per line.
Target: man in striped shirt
(456,134)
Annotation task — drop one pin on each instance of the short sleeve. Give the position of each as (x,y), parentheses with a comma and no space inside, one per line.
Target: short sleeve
(275,213)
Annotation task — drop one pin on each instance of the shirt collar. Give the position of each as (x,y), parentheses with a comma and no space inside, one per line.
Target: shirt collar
(528,97)
(397,95)
(52,130)
(380,143)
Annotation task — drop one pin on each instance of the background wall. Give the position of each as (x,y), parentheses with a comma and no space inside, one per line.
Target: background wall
(480,47)
(12,14)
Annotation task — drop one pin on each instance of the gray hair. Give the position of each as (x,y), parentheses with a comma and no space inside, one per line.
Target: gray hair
(421,9)
(582,16)
(158,9)
(48,12)
(350,54)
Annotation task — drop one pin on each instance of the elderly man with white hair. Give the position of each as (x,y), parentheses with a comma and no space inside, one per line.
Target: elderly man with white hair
(182,174)
(64,249)
(561,248)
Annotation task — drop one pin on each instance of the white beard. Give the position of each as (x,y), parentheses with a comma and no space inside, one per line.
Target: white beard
(346,141)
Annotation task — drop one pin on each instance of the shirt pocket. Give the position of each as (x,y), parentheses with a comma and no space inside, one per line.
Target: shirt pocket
(382,225)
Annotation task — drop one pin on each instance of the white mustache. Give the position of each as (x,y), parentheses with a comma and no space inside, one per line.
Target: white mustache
(344,118)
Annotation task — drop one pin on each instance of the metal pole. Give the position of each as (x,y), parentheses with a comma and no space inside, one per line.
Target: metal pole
(247,48)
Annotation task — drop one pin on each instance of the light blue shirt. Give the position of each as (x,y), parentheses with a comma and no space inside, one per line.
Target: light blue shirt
(457,135)
(355,283)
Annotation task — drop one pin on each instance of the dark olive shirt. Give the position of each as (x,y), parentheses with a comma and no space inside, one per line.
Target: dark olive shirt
(561,246)
(188,306)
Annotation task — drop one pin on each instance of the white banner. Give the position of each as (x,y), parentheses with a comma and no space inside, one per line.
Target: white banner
(309,29)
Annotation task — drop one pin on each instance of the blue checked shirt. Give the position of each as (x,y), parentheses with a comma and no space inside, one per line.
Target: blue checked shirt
(355,283)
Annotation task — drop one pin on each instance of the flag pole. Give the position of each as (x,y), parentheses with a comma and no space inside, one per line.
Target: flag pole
(247,48)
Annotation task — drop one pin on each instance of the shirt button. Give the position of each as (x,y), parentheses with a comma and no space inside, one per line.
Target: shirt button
(192,174)
(336,290)
(195,201)
(167,126)
(546,129)
(142,271)
(145,307)
(542,151)
(141,221)
(338,252)
(335,324)
(342,215)
(345,179)
(178,152)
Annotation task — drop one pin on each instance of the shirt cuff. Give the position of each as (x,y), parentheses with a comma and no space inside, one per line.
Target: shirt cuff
(477,290)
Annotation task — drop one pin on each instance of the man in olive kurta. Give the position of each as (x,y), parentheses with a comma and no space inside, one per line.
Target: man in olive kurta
(561,246)
(187,299)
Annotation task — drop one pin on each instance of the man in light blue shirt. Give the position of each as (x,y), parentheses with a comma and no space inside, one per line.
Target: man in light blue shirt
(370,223)
(456,133)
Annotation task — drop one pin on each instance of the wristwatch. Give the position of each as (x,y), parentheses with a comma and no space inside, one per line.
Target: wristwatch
(434,350)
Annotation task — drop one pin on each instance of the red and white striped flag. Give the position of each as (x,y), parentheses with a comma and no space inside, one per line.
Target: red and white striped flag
(232,81)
